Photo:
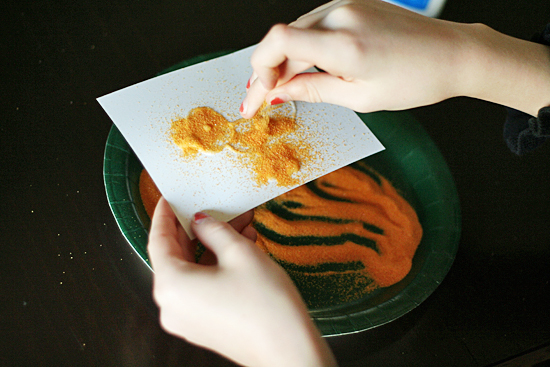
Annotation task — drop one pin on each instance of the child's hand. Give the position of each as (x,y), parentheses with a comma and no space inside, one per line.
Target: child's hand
(377,56)
(244,306)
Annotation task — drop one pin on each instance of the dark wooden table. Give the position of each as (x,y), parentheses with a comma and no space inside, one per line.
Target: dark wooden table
(74,293)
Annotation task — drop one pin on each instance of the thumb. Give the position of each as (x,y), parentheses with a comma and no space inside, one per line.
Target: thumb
(319,87)
(220,237)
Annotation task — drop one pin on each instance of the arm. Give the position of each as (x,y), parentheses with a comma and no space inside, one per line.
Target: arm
(380,57)
(506,70)
(244,306)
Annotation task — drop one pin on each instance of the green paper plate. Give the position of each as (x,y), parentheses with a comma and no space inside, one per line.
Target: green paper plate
(411,162)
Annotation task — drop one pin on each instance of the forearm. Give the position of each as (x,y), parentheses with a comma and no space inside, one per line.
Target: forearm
(504,70)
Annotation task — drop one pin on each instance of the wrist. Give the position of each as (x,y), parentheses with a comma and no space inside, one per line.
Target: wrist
(504,70)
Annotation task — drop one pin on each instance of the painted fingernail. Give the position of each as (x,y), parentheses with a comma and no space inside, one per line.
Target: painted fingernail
(276,100)
(279,99)
(199,217)
(243,107)
(248,84)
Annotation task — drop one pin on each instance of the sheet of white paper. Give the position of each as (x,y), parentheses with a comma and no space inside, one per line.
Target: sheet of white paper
(213,183)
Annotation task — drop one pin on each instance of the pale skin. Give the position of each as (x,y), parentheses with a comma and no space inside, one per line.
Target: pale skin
(376,56)
(380,57)
(241,305)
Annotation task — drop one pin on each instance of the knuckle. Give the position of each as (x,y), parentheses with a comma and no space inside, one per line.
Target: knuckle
(218,227)
(304,90)
(352,47)
(347,15)
(278,31)
(271,52)
(312,93)
(223,231)
(343,13)
(278,36)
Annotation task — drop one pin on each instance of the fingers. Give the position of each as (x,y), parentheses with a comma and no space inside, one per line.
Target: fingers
(256,93)
(250,233)
(286,52)
(326,88)
(220,237)
(167,241)
(255,97)
(241,225)
(243,220)
(283,43)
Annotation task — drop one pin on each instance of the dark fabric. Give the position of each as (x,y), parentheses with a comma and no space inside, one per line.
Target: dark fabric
(523,132)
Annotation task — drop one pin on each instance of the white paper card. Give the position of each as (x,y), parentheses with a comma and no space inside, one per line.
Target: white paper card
(212,183)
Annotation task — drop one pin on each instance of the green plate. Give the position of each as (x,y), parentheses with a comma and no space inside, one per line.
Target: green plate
(411,162)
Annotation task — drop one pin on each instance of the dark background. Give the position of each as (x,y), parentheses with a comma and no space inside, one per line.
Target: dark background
(74,293)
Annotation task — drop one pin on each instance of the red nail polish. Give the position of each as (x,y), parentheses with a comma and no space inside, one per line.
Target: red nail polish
(199,216)
(276,100)
(242,109)
(248,84)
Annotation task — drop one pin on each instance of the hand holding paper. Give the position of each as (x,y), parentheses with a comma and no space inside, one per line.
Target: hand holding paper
(215,183)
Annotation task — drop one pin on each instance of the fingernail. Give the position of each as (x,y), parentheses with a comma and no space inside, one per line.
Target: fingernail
(248,84)
(243,107)
(200,216)
(283,98)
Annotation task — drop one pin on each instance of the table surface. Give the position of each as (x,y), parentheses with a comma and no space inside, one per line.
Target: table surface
(76,294)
